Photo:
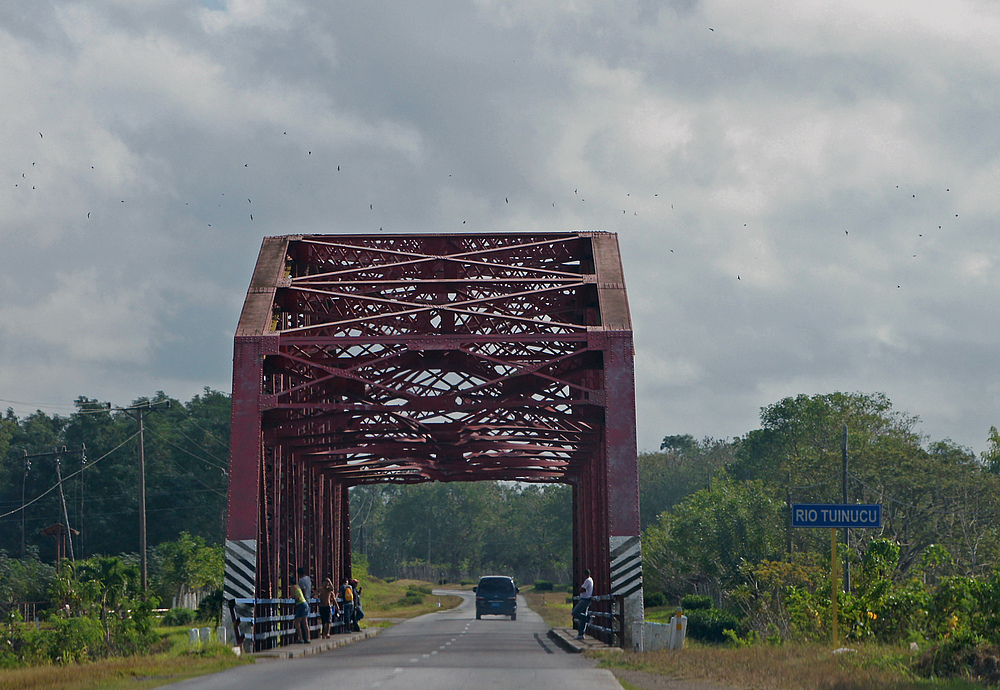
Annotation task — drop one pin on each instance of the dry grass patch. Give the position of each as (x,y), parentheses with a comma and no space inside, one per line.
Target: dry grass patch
(551,606)
(111,674)
(787,667)
(388,600)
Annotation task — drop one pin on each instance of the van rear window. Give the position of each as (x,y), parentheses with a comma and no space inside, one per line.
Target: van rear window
(495,585)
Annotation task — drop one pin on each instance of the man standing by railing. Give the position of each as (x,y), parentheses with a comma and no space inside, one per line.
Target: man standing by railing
(583,606)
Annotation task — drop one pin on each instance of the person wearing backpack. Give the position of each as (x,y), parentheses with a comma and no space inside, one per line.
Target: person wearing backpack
(347,593)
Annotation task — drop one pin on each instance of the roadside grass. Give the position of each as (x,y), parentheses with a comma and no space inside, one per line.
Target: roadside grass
(172,660)
(400,599)
(659,614)
(551,605)
(784,667)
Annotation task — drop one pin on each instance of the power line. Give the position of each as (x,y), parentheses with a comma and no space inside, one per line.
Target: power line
(209,433)
(67,477)
(225,470)
(114,497)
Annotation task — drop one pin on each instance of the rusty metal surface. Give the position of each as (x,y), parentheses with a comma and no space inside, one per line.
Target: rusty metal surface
(410,358)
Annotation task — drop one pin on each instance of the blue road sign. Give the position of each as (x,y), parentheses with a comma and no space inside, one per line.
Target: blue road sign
(821,515)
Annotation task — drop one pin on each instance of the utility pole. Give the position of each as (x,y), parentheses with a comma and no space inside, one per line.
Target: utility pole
(57,454)
(62,498)
(27,466)
(81,488)
(137,412)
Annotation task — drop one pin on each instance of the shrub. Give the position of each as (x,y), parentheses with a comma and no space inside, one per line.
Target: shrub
(710,625)
(543,586)
(411,598)
(961,656)
(653,599)
(696,601)
(179,616)
(210,608)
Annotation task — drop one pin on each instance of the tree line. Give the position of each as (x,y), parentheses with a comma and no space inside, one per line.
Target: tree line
(95,451)
(730,538)
(714,512)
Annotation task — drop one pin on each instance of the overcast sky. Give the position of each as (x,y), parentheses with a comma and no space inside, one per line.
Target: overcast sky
(805,191)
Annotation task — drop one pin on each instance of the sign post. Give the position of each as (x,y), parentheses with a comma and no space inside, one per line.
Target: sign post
(835,517)
(833,580)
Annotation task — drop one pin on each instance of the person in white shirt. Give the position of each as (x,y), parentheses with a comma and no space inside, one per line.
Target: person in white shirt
(583,606)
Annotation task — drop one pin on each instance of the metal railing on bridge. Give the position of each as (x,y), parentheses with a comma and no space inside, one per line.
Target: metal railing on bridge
(606,618)
(262,624)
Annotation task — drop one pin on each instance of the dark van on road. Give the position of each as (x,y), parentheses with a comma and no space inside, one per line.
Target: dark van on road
(496,595)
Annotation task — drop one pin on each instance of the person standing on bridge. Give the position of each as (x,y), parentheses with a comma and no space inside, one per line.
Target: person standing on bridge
(347,594)
(358,613)
(301,622)
(306,583)
(583,606)
(327,605)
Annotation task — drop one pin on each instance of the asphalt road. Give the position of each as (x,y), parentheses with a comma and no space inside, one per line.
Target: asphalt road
(447,650)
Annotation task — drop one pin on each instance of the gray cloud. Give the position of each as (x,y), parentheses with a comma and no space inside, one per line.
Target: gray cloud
(774,172)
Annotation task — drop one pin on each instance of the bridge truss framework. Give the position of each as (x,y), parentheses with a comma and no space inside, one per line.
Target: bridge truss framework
(363,359)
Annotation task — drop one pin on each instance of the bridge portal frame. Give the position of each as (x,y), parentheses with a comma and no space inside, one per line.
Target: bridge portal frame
(407,358)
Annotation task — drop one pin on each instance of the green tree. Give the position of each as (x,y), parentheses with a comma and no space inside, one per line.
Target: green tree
(682,467)
(186,475)
(187,564)
(701,543)
(991,458)
(466,528)
(937,494)
(24,579)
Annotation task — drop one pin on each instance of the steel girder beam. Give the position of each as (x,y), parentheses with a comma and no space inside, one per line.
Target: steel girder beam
(408,358)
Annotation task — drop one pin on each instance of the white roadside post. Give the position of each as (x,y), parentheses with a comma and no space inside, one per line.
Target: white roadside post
(678,631)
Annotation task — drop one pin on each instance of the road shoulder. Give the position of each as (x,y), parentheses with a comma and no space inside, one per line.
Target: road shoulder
(295,651)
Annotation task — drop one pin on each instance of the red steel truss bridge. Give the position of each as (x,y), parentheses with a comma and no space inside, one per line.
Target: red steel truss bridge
(410,358)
